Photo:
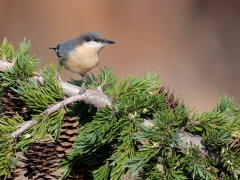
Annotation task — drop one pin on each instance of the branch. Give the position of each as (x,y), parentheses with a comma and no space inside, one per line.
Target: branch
(90,96)
(25,126)
(188,139)
(4,64)
(95,97)
(196,140)
(69,89)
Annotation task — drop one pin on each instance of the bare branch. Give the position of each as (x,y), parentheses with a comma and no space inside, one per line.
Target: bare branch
(25,126)
(68,89)
(90,96)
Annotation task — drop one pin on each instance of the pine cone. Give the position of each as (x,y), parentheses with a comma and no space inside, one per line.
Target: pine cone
(12,105)
(69,131)
(68,134)
(41,161)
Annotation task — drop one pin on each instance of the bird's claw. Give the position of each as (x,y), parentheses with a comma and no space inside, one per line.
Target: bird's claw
(83,88)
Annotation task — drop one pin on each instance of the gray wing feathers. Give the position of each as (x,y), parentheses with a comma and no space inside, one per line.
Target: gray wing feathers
(65,49)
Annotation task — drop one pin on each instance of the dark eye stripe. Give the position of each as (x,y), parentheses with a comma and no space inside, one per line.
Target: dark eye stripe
(97,40)
(88,39)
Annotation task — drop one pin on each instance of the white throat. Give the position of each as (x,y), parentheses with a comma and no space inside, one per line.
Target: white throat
(96,46)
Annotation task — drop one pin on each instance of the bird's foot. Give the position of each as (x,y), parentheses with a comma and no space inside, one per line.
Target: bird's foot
(83,88)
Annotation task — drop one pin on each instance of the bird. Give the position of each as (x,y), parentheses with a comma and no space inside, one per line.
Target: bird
(81,54)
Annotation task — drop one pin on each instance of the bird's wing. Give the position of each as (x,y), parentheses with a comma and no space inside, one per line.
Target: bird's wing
(64,49)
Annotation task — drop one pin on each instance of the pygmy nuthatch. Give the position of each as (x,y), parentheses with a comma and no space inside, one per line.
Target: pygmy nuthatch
(81,54)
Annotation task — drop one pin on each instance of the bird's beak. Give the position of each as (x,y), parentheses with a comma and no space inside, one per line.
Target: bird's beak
(53,47)
(108,42)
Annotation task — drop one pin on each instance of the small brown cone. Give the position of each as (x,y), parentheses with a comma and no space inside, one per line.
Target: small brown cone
(41,161)
(12,105)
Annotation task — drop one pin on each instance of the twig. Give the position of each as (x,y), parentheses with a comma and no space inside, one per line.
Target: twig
(25,126)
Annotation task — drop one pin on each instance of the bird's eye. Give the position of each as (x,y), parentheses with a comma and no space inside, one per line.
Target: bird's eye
(96,39)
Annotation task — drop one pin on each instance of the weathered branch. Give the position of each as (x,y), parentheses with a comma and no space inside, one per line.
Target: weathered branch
(69,89)
(90,96)
(95,97)
(196,140)
(4,64)
(25,126)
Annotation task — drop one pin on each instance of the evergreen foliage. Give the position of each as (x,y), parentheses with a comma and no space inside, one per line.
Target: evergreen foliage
(114,142)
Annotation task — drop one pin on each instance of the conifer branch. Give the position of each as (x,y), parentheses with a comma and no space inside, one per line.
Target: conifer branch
(90,96)
(99,100)
(69,89)
(188,139)
(94,97)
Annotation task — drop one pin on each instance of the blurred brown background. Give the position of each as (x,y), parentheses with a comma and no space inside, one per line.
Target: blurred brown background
(193,44)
